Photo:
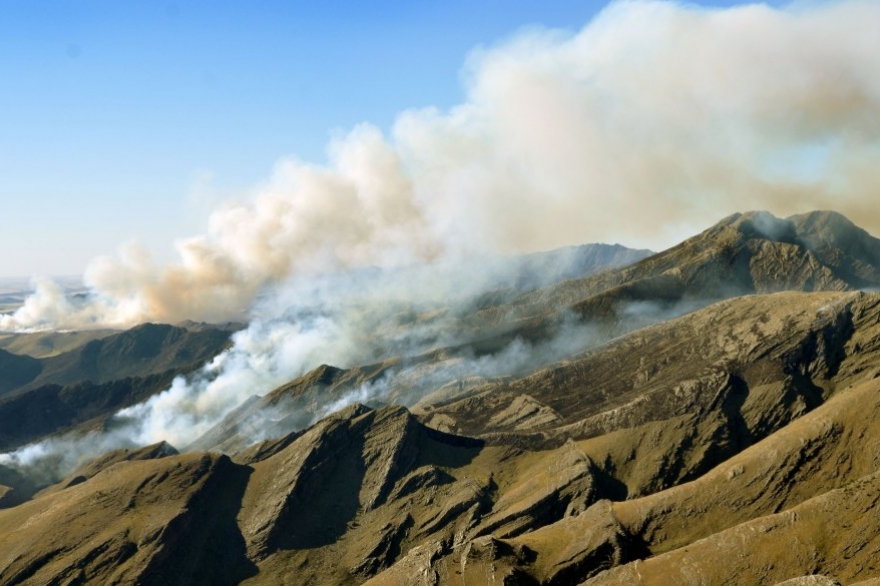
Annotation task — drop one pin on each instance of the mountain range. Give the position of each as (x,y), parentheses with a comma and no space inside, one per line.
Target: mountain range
(703,415)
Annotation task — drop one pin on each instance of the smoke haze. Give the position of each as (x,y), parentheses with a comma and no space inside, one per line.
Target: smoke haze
(651,122)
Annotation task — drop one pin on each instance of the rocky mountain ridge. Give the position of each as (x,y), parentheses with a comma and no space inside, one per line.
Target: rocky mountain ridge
(721,428)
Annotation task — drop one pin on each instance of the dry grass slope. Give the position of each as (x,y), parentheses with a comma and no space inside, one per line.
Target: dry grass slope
(736,444)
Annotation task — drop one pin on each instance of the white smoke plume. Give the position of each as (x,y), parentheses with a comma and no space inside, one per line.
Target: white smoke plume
(346,320)
(652,121)
(349,319)
(52,459)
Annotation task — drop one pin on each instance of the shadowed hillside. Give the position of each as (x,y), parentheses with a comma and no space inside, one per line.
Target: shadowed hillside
(95,380)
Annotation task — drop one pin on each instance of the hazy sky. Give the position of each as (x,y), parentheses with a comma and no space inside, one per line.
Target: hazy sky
(130,120)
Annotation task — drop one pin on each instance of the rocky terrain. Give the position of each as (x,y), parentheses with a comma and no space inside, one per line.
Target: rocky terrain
(717,424)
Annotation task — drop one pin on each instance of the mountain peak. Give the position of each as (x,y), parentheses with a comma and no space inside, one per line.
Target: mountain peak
(759,224)
(810,227)
(823,218)
(830,228)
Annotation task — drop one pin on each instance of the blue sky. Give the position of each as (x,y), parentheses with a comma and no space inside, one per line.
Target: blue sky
(112,113)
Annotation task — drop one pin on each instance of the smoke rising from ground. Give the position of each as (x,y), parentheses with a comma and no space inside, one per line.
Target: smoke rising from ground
(652,121)
(421,319)
(351,319)
(52,459)
(346,319)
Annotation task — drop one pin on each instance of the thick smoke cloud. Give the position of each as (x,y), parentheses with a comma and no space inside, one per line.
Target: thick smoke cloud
(651,122)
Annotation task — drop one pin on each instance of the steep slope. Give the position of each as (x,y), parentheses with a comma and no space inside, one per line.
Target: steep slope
(289,408)
(141,351)
(29,416)
(724,527)
(726,350)
(850,251)
(821,470)
(94,467)
(17,371)
(89,384)
(15,487)
(746,253)
(335,504)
